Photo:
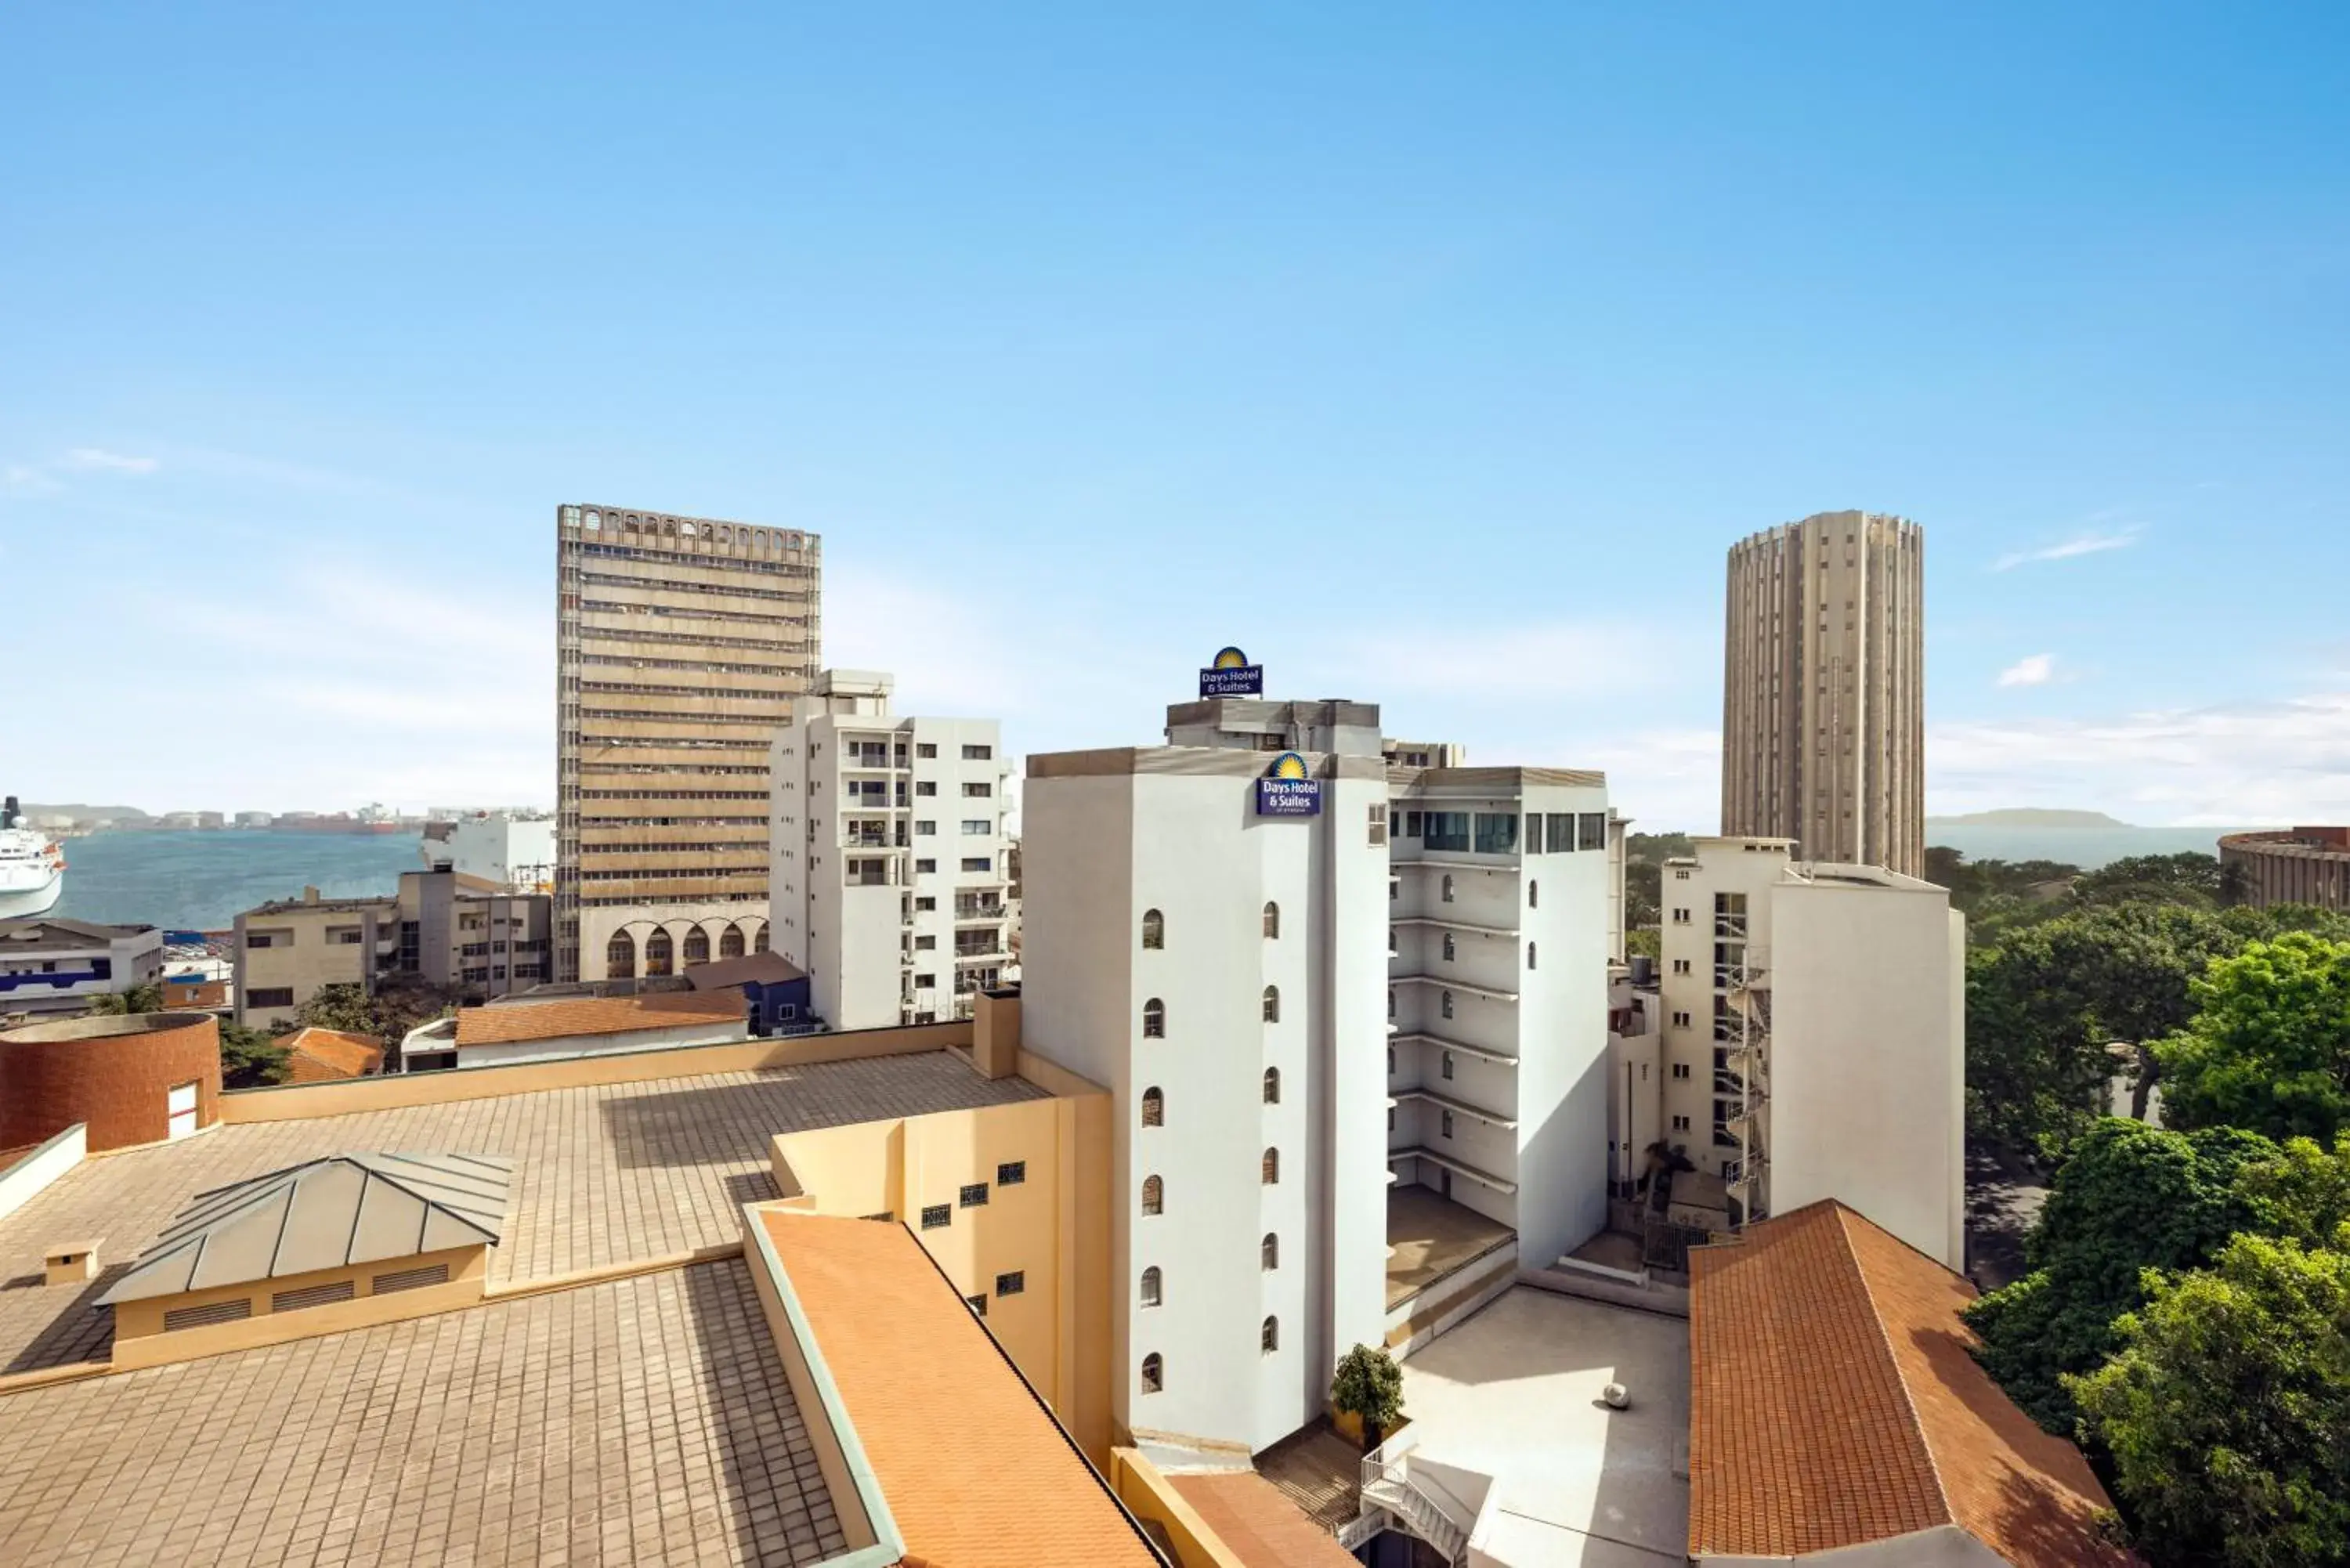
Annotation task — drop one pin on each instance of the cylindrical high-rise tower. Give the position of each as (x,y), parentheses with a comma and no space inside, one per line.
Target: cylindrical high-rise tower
(1824,690)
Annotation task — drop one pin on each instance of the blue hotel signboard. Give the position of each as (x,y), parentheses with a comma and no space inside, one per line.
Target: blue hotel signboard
(1231,675)
(1287,791)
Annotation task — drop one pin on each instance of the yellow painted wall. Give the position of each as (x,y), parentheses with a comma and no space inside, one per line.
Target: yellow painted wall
(1146,1495)
(141,1339)
(1052,1228)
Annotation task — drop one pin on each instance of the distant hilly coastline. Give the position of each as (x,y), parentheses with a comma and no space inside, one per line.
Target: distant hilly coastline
(2032,816)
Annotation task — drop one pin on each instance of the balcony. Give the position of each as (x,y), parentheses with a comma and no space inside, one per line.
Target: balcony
(967,953)
(964,911)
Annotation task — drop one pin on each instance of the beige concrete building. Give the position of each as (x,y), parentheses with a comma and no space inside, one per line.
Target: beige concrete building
(680,642)
(2289,866)
(444,928)
(1824,690)
(1813,1042)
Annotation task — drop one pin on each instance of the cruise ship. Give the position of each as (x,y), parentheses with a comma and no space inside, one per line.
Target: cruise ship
(31,867)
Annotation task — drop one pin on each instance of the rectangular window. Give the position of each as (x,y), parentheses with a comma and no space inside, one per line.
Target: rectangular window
(1561,834)
(926,786)
(937,1214)
(1012,1283)
(926,982)
(1448,1124)
(270,996)
(1445,830)
(1412,825)
(1680,1019)
(925,829)
(925,903)
(974,1196)
(925,749)
(925,944)
(924,867)
(1534,833)
(978,863)
(1497,832)
(977,828)
(1681,1124)
(1448,1063)
(978,753)
(979,792)
(1378,823)
(1680,1069)
(1594,831)
(1011,1173)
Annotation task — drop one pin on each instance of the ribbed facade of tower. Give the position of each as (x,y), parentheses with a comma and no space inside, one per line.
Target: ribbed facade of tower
(1824,690)
(680,642)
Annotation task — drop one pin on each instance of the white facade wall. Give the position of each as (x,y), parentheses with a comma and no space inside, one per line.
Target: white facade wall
(1111,837)
(64,978)
(1519,1007)
(1867,1056)
(511,851)
(872,875)
(1737,868)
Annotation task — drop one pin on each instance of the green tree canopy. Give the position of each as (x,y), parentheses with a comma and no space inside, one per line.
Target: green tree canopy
(145,997)
(2191,879)
(398,1004)
(1368,1384)
(2303,1194)
(2269,1047)
(2131,1197)
(250,1058)
(2228,1411)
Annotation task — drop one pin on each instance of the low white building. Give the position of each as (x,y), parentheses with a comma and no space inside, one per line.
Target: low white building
(515,850)
(1815,1037)
(49,965)
(887,879)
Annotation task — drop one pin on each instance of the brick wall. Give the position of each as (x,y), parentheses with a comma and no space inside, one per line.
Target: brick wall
(113,1074)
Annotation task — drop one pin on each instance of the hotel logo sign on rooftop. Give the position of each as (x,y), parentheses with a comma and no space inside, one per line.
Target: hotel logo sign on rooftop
(1231,675)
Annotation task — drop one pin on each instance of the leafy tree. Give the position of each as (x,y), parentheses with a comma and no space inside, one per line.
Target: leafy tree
(249,1057)
(398,1004)
(1369,1385)
(2303,1194)
(2191,879)
(147,997)
(2226,1412)
(1645,855)
(1643,942)
(2269,1047)
(2131,1197)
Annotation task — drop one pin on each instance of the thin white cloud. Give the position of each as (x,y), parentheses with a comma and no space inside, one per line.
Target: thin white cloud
(2034,669)
(92,457)
(2089,544)
(2228,765)
(28,480)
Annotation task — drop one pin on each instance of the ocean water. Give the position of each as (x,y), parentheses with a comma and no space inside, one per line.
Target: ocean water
(2088,847)
(200,881)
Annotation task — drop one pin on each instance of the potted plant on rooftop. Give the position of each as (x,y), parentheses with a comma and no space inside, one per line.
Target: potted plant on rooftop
(1366,1396)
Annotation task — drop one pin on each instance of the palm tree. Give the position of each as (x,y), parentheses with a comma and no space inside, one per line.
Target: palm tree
(144,997)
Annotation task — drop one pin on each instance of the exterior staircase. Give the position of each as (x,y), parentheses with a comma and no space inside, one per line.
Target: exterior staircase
(1406,1502)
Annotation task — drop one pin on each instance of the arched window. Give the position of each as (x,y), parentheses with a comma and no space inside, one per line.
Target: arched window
(1154,1109)
(658,953)
(1448,947)
(730,942)
(620,956)
(697,946)
(1268,1338)
(1150,1286)
(1448,887)
(1530,955)
(1272,1085)
(1269,1167)
(1533,895)
(1273,1004)
(1154,1020)
(759,938)
(1445,1001)
(1391,940)
(1271,921)
(1154,1374)
(1268,1252)
(1154,1195)
(1154,929)
(1391,1005)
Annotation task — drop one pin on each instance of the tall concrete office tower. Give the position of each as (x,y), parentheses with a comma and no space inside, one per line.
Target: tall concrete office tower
(680,644)
(1823,712)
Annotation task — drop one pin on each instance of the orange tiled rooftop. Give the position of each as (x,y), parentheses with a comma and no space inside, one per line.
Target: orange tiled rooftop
(516,1021)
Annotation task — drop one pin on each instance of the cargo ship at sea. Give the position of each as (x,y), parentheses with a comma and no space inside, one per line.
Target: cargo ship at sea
(32,866)
(370,820)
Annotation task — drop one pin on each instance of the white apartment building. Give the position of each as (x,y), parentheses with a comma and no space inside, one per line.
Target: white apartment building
(1501,883)
(1302,1011)
(52,965)
(1814,1041)
(513,850)
(887,858)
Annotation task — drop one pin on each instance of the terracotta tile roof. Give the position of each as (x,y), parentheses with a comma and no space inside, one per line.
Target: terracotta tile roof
(1260,1526)
(593,1015)
(973,1467)
(1833,1402)
(316,1056)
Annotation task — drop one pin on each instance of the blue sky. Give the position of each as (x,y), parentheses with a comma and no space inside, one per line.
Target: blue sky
(1435,355)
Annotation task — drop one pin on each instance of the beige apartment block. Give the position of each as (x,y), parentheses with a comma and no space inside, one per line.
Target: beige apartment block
(287,950)
(680,642)
(1824,686)
(448,930)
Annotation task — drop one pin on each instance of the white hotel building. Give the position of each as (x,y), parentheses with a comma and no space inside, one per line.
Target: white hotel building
(1227,974)
(887,879)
